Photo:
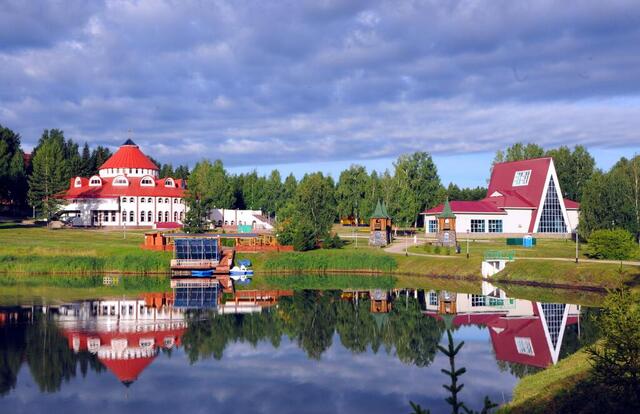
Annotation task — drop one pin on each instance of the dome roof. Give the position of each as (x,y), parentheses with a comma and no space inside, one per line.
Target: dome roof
(129,156)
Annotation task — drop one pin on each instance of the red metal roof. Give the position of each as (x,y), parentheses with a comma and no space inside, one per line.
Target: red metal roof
(481,206)
(571,205)
(503,174)
(108,190)
(129,156)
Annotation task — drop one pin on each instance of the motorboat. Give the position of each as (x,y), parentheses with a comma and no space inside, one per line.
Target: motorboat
(240,272)
(202,273)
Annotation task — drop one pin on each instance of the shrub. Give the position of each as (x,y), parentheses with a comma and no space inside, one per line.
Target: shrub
(303,239)
(427,247)
(333,242)
(436,250)
(617,244)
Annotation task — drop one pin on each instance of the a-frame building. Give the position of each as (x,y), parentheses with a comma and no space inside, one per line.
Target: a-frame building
(522,197)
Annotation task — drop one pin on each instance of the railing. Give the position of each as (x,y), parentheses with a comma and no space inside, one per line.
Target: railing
(499,255)
(193,263)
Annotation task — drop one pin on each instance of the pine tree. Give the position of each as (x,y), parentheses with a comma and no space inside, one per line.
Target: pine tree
(86,165)
(49,177)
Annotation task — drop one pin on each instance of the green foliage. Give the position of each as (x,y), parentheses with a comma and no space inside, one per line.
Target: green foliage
(351,191)
(330,282)
(323,260)
(13,175)
(617,244)
(453,192)
(612,199)
(209,187)
(417,184)
(437,250)
(333,242)
(616,362)
(303,238)
(50,175)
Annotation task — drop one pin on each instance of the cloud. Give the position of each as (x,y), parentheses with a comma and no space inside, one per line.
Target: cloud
(261,82)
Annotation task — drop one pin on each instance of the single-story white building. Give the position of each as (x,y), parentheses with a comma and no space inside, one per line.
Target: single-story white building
(523,197)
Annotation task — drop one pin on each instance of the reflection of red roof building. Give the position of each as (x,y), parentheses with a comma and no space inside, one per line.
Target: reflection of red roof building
(533,340)
(125,354)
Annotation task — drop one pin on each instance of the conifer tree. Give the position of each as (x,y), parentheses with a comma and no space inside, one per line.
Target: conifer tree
(49,177)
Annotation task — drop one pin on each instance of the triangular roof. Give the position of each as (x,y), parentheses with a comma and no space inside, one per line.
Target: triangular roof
(446,211)
(129,156)
(380,211)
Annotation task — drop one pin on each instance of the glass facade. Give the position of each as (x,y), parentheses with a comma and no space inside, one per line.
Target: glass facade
(551,219)
(495,226)
(553,314)
(477,226)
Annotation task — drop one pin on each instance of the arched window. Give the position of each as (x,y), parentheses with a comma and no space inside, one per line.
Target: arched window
(175,216)
(166,200)
(150,216)
(219,223)
(95,181)
(159,216)
(124,199)
(150,200)
(175,201)
(169,182)
(131,216)
(77,182)
(120,181)
(141,216)
(147,181)
(166,216)
(131,200)
(142,199)
(160,200)
(124,216)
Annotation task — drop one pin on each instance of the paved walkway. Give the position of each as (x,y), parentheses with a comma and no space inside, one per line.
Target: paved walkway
(399,248)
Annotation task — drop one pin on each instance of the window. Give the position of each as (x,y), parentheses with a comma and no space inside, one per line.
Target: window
(160,200)
(120,181)
(551,218)
(169,183)
(521,178)
(433,226)
(433,298)
(175,216)
(150,200)
(477,226)
(495,226)
(553,314)
(131,199)
(124,216)
(106,217)
(141,216)
(182,215)
(524,346)
(147,181)
(142,199)
(478,300)
(159,216)
(113,216)
(124,199)
(175,201)
(78,182)
(131,216)
(166,216)
(95,181)
(137,171)
(166,200)
(150,216)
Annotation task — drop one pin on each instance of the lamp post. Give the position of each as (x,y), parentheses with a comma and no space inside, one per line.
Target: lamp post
(468,243)
(577,242)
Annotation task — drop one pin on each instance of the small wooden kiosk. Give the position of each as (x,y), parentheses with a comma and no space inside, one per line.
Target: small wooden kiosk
(380,226)
(447,227)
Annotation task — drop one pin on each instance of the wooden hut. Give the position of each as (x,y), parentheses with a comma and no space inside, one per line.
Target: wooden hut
(380,226)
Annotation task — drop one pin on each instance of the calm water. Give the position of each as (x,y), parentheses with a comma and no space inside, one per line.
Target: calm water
(273,351)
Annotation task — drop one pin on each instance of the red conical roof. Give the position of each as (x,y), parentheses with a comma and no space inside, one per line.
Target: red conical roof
(127,370)
(129,156)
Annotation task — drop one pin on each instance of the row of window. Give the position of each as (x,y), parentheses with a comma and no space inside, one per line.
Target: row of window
(130,171)
(149,216)
(150,200)
(479,225)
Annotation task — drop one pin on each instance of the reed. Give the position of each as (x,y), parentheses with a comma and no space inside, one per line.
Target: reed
(326,260)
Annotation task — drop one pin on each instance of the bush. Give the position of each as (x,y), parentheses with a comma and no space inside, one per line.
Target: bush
(436,250)
(303,239)
(333,242)
(617,244)
(448,251)
(427,247)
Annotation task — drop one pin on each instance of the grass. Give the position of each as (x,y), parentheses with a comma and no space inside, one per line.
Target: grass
(43,251)
(324,260)
(535,392)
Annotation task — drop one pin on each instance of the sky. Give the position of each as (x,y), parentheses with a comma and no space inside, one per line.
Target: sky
(321,84)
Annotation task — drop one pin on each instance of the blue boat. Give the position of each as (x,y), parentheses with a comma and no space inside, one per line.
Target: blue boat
(244,262)
(241,272)
(202,273)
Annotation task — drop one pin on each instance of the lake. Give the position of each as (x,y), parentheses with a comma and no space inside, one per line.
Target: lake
(191,348)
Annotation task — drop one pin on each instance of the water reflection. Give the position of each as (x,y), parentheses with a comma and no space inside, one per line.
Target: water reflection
(124,336)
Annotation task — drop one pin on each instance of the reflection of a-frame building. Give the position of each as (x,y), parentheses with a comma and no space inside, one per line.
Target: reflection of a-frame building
(521,331)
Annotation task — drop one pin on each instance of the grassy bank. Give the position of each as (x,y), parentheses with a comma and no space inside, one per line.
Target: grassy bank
(535,393)
(43,251)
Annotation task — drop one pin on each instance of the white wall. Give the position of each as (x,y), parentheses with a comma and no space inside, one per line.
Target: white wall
(231,217)
(513,221)
(574,216)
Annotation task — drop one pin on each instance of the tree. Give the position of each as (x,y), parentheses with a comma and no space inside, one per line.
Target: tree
(417,183)
(12,169)
(614,244)
(518,152)
(351,191)
(273,189)
(99,156)
(573,168)
(49,177)
(181,172)
(86,166)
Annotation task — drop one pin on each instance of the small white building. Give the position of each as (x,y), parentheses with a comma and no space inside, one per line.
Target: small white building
(523,197)
(222,217)
(126,192)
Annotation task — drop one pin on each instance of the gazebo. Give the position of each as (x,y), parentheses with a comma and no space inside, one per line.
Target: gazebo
(380,226)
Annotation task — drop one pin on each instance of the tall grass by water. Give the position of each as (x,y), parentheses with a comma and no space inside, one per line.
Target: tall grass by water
(330,281)
(326,260)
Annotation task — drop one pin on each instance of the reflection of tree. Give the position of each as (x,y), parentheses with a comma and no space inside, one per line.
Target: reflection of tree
(46,352)
(414,336)
(517,369)
(356,326)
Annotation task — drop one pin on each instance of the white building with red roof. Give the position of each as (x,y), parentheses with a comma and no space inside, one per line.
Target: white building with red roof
(523,197)
(126,192)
